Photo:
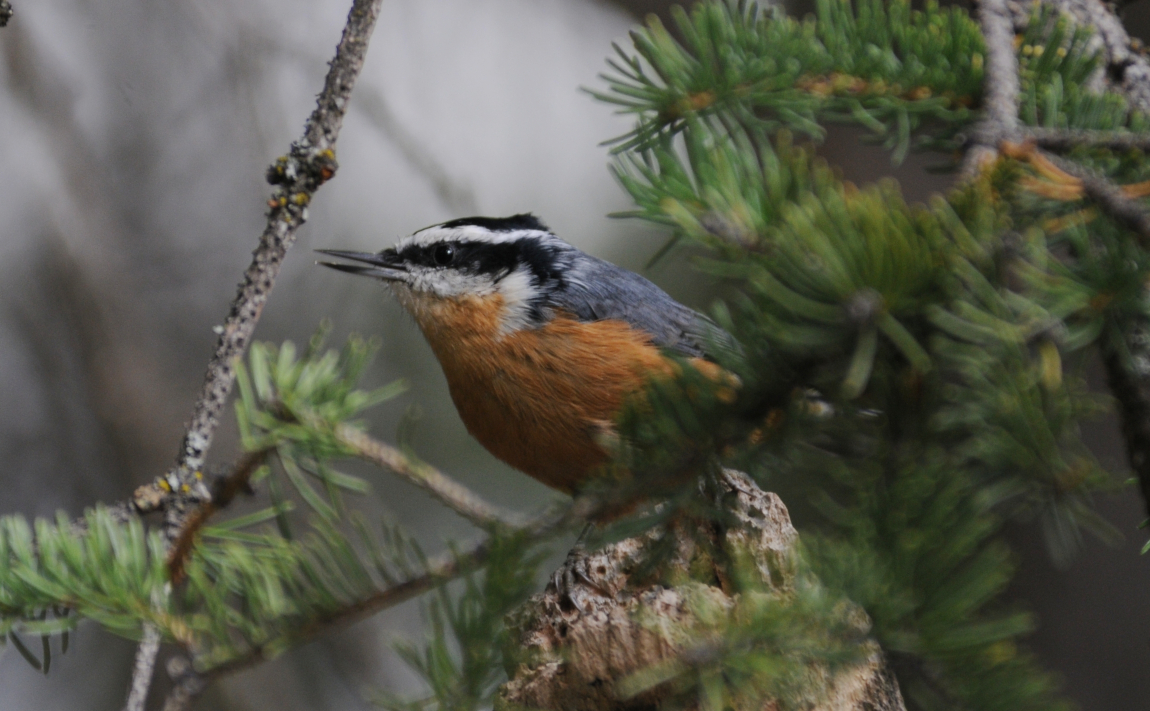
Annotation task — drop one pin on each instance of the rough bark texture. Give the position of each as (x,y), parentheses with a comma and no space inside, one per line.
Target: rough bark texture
(612,623)
(297,175)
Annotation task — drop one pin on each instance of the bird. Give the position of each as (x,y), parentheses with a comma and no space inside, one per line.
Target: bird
(541,343)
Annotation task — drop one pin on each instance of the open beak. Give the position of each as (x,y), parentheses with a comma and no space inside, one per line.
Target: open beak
(384,265)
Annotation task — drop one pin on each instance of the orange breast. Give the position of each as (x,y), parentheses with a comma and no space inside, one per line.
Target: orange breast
(537,398)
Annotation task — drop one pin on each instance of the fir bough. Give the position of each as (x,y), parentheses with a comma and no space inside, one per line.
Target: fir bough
(934,353)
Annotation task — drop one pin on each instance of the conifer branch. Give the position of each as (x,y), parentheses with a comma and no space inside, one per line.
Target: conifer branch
(142,672)
(1126,69)
(189,683)
(450,492)
(1126,348)
(224,490)
(1108,196)
(1066,139)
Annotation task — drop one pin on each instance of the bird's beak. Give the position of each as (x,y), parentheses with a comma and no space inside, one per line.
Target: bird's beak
(384,265)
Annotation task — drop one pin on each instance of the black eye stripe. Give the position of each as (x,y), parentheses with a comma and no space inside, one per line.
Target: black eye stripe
(475,257)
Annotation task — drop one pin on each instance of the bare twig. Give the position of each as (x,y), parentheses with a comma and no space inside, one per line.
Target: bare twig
(142,672)
(1000,87)
(1125,356)
(1062,139)
(456,496)
(310,163)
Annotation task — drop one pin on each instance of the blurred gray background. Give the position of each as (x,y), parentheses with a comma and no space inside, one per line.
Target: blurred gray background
(133,140)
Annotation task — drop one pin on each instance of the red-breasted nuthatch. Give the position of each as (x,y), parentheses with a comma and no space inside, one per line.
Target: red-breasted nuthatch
(540,342)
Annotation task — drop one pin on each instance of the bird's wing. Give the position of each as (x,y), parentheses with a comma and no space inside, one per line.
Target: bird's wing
(597,290)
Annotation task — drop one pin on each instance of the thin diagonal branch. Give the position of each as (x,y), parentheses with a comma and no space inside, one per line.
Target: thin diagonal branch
(1066,139)
(1000,87)
(456,496)
(190,684)
(144,666)
(1108,196)
(310,163)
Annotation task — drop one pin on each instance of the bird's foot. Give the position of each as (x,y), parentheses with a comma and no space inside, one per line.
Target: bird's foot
(580,580)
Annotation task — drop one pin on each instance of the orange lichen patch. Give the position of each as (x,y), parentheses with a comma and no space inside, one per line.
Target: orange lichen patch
(835,83)
(1051,191)
(840,84)
(1137,190)
(1054,183)
(700,100)
(919,93)
(1074,219)
(1071,478)
(1101,300)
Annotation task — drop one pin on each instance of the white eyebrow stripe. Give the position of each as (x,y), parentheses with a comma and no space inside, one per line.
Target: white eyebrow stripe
(470,233)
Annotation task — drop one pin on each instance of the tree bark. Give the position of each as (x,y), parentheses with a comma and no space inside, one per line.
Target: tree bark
(608,623)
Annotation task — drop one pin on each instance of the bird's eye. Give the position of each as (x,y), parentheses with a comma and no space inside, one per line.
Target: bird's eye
(444,255)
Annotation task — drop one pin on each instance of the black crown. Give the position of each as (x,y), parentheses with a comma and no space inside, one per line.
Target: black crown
(525,221)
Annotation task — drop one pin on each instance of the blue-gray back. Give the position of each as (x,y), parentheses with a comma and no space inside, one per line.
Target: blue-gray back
(596,290)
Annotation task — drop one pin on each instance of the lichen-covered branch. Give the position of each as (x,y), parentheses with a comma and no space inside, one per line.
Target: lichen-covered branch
(309,163)
(1066,139)
(142,672)
(223,491)
(1001,86)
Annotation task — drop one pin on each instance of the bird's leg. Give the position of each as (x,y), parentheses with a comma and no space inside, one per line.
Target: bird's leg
(573,581)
